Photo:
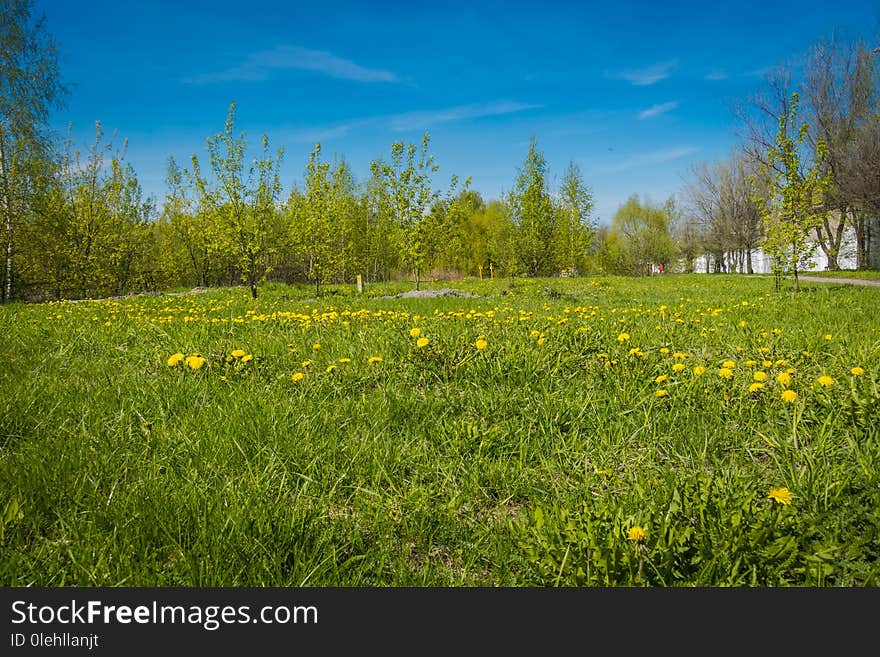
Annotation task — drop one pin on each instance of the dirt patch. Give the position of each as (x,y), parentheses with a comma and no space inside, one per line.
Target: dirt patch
(429,294)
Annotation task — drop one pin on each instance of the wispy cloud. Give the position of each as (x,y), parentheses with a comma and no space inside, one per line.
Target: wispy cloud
(260,65)
(657,110)
(646,76)
(716,74)
(425,119)
(645,159)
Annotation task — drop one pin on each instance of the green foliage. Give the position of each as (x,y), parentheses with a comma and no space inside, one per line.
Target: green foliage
(640,237)
(792,203)
(533,216)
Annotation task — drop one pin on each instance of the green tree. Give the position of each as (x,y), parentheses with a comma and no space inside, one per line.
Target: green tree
(29,87)
(792,201)
(242,201)
(533,215)
(575,228)
(640,237)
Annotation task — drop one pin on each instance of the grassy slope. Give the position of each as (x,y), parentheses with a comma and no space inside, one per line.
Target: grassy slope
(522,464)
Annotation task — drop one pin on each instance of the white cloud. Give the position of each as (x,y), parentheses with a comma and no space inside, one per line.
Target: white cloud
(657,110)
(259,65)
(716,74)
(424,119)
(646,76)
(644,159)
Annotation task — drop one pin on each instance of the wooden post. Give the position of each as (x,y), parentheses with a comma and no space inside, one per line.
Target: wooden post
(481,271)
(491,271)
(360,284)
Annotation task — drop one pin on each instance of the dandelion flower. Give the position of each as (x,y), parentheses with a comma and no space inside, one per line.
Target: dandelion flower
(751,363)
(345,360)
(755,387)
(699,370)
(661,393)
(678,367)
(195,362)
(664,351)
(783,378)
(481,344)
(422,342)
(825,381)
(780,495)
(766,363)
(238,353)
(247,358)
(857,371)
(662,378)
(415,332)
(306,363)
(297,376)
(725,373)
(828,336)
(331,369)
(623,337)
(316,346)
(789,396)
(636,534)
(760,376)
(728,364)
(174,360)
(372,360)
(679,355)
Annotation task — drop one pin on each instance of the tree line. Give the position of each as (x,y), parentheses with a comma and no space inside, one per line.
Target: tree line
(77,223)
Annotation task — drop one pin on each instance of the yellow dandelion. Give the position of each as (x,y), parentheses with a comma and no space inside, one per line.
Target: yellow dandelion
(195,362)
(825,381)
(789,396)
(541,340)
(637,534)
(760,376)
(247,358)
(331,369)
(780,495)
(699,370)
(678,367)
(422,342)
(828,336)
(415,332)
(345,360)
(751,363)
(662,378)
(297,376)
(725,373)
(679,355)
(664,351)
(728,364)
(481,344)
(316,346)
(755,387)
(372,360)
(306,363)
(623,337)
(238,353)
(661,393)
(783,379)
(174,360)
(766,363)
(857,371)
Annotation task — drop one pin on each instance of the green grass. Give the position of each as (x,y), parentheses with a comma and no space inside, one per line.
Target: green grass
(868,274)
(526,463)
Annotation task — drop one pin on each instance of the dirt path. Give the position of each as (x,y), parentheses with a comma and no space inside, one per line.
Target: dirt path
(851,281)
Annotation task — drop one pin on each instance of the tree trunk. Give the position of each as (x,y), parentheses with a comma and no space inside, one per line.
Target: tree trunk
(7,212)
(749,261)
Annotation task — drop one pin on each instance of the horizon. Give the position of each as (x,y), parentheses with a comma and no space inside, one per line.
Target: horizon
(356,81)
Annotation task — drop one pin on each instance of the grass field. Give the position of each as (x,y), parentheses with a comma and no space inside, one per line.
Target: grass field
(679,430)
(867,274)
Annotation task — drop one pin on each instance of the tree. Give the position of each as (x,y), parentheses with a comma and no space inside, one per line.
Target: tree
(532,215)
(241,202)
(408,195)
(29,87)
(574,227)
(640,236)
(792,204)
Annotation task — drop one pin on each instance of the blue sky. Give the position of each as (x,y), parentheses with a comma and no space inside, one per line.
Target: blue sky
(633,92)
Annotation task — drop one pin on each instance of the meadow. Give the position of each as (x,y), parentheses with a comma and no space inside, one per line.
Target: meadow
(680,430)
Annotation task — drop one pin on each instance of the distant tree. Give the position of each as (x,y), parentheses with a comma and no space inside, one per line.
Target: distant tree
(242,200)
(29,87)
(791,203)
(533,215)
(574,229)
(640,236)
